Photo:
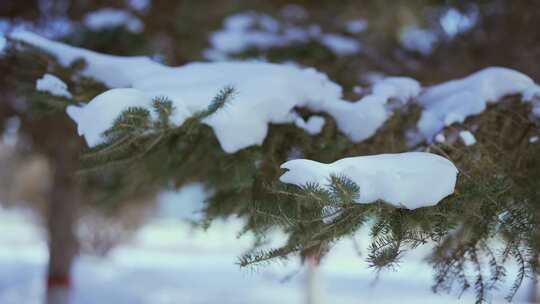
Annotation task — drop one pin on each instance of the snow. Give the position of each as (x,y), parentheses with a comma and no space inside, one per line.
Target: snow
(533,139)
(467,137)
(400,88)
(417,39)
(185,203)
(312,126)
(440,138)
(265,93)
(53,85)
(250,29)
(339,44)
(111,17)
(456,100)
(455,22)
(3,43)
(139,5)
(99,115)
(356,26)
(398,179)
(531,93)
(169,262)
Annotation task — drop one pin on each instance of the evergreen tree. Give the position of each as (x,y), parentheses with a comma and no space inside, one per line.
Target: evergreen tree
(495,202)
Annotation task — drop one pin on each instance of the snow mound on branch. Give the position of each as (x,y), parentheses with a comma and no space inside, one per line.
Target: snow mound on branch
(111,17)
(467,137)
(53,85)
(100,114)
(455,100)
(398,179)
(400,88)
(114,71)
(265,93)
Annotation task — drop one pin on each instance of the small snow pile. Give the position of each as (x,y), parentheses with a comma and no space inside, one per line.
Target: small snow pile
(467,137)
(53,85)
(440,138)
(533,139)
(455,100)
(266,93)
(246,30)
(111,17)
(356,26)
(417,39)
(398,179)
(339,44)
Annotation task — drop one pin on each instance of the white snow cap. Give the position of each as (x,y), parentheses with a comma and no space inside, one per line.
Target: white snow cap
(409,180)
(265,93)
(455,100)
(53,85)
(111,17)
(99,115)
(467,137)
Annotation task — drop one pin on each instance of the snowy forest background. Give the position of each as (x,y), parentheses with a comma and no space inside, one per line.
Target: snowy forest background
(188,185)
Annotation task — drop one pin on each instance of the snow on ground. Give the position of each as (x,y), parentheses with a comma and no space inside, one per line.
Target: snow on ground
(112,17)
(265,93)
(398,179)
(456,100)
(168,262)
(54,85)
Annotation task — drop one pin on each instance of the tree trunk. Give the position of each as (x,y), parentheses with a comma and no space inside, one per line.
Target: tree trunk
(61,221)
(313,288)
(534,291)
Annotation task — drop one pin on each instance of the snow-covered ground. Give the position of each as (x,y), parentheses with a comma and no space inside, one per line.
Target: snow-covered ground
(168,262)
